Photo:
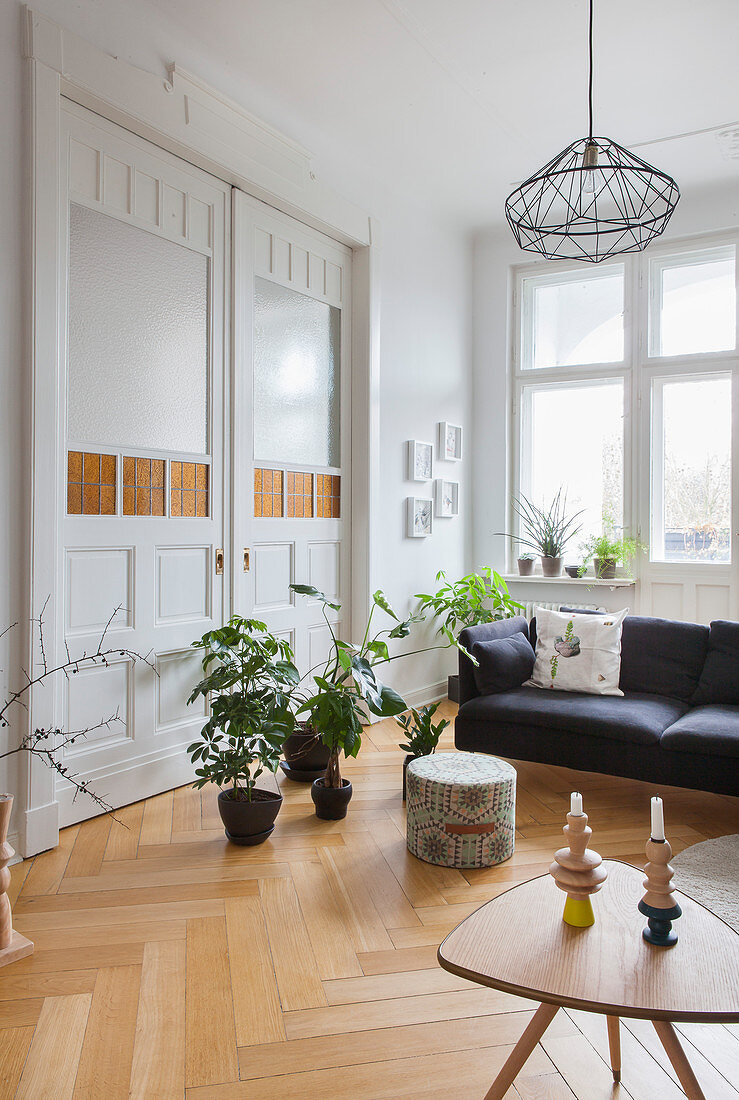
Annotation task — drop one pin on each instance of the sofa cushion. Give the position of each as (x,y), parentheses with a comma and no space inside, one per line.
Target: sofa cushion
(503,663)
(662,657)
(636,717)
(580,653)
(719,680)
(712,729)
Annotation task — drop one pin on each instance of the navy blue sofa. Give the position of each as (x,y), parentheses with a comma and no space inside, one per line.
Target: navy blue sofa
(665,729)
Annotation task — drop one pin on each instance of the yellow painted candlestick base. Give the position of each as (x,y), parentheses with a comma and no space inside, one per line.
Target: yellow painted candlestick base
(578,912)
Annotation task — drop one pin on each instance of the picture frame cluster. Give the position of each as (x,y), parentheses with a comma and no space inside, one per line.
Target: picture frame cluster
(444,504)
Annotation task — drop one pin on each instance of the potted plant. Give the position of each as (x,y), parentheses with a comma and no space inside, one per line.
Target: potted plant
(346,689)
(546,530)
(305,755)
(606,552)
(477,598)
(249,681)
(422,736)
(526,565)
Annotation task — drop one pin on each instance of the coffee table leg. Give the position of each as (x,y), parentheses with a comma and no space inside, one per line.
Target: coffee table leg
(519,1055)
(676,1054)
(614,1046)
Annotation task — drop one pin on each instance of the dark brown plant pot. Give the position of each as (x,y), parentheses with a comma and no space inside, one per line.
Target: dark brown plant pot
(605,568)
(452,689)
(525,567)
(406,762)
(331,802)
(306,756)
(249,822)
(551,567)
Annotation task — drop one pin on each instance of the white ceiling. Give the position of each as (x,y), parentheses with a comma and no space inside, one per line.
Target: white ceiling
(456,100)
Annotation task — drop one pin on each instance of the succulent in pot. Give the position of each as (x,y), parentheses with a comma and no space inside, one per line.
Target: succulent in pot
(422,736)
(525,565)
(546,530)
(249,681)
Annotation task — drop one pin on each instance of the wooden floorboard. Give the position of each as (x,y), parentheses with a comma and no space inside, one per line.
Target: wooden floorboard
(172,965)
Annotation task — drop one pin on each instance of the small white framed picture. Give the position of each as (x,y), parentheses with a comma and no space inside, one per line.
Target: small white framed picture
(450,442)
(420,461)
(419,517)
(446,497)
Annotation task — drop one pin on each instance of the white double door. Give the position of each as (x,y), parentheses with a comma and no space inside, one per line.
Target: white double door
(169,431)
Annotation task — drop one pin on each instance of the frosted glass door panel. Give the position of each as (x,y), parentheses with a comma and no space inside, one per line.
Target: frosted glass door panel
(297,344)
(138,337)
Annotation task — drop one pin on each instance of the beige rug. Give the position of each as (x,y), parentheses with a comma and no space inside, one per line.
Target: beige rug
(709,872)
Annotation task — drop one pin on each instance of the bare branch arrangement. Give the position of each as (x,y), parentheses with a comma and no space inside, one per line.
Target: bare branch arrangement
(49,744)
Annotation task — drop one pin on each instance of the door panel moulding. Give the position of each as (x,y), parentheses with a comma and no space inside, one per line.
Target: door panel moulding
(181,115)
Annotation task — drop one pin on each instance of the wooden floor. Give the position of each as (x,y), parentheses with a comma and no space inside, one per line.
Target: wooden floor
(169,963)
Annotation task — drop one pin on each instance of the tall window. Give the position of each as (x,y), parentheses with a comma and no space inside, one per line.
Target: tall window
(622,384)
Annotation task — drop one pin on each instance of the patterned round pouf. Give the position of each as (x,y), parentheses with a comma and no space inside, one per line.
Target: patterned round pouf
(461,809)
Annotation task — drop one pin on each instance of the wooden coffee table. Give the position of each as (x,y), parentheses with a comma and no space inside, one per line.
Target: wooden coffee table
(519,943)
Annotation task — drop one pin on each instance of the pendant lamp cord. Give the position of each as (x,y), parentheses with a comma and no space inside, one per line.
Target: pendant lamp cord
(590,78)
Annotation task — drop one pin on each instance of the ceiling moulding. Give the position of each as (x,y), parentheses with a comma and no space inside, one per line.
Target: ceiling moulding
(184,115)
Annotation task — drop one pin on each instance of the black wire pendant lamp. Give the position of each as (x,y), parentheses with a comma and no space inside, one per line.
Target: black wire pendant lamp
(595,199)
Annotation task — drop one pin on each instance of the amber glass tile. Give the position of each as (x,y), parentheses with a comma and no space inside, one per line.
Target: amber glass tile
(91,480)
(189,489)
(299,494)
(268,493)
(139,475)
(328,496)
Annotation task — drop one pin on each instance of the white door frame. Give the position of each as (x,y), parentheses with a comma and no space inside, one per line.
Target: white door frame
(181,115)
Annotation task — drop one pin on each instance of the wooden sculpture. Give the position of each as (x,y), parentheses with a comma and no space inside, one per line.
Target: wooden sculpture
(659,904)
(13,946)
(578,872)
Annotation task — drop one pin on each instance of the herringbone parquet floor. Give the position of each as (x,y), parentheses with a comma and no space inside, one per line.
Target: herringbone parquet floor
(169,963)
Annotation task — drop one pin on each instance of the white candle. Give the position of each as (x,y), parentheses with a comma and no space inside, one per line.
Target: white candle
(576,804)
(658,819)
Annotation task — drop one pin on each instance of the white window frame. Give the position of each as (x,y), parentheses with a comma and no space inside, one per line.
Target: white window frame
(638,370)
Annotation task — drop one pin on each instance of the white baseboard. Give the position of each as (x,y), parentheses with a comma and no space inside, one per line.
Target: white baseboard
(14,841)
(431,693)
(39,829)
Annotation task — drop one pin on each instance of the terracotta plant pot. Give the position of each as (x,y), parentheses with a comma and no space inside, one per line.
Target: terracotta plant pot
(551,567)
(605,568)
(331,802)
(249,822)
(306,756)
(525,567)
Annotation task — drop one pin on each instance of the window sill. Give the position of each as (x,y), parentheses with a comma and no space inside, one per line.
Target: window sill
(581,582)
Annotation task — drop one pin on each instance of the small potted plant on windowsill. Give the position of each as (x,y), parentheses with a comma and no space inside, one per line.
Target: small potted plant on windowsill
(606,552)
(422,736)
(526,565)
(546,530)
(250,681)
(477,598)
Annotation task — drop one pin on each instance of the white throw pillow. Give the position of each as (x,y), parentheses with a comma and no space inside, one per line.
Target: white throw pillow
(578,652)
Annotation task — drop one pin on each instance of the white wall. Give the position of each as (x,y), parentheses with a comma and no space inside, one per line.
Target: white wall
(495,251)
(425,314)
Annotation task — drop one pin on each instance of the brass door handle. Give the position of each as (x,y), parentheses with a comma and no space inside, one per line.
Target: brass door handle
(246,559)
(219,561)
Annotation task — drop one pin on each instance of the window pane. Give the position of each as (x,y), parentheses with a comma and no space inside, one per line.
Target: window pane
(297,409)
(577,321)
(693,473)
(575,440)
(138,337)
(697,303)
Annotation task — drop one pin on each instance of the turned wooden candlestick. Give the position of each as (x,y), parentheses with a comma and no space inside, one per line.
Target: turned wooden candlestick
(659,904)
(578,871)
(13,946)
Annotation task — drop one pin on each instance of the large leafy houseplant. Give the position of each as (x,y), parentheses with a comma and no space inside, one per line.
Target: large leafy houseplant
(347,690)
(477,598)
(249,680)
